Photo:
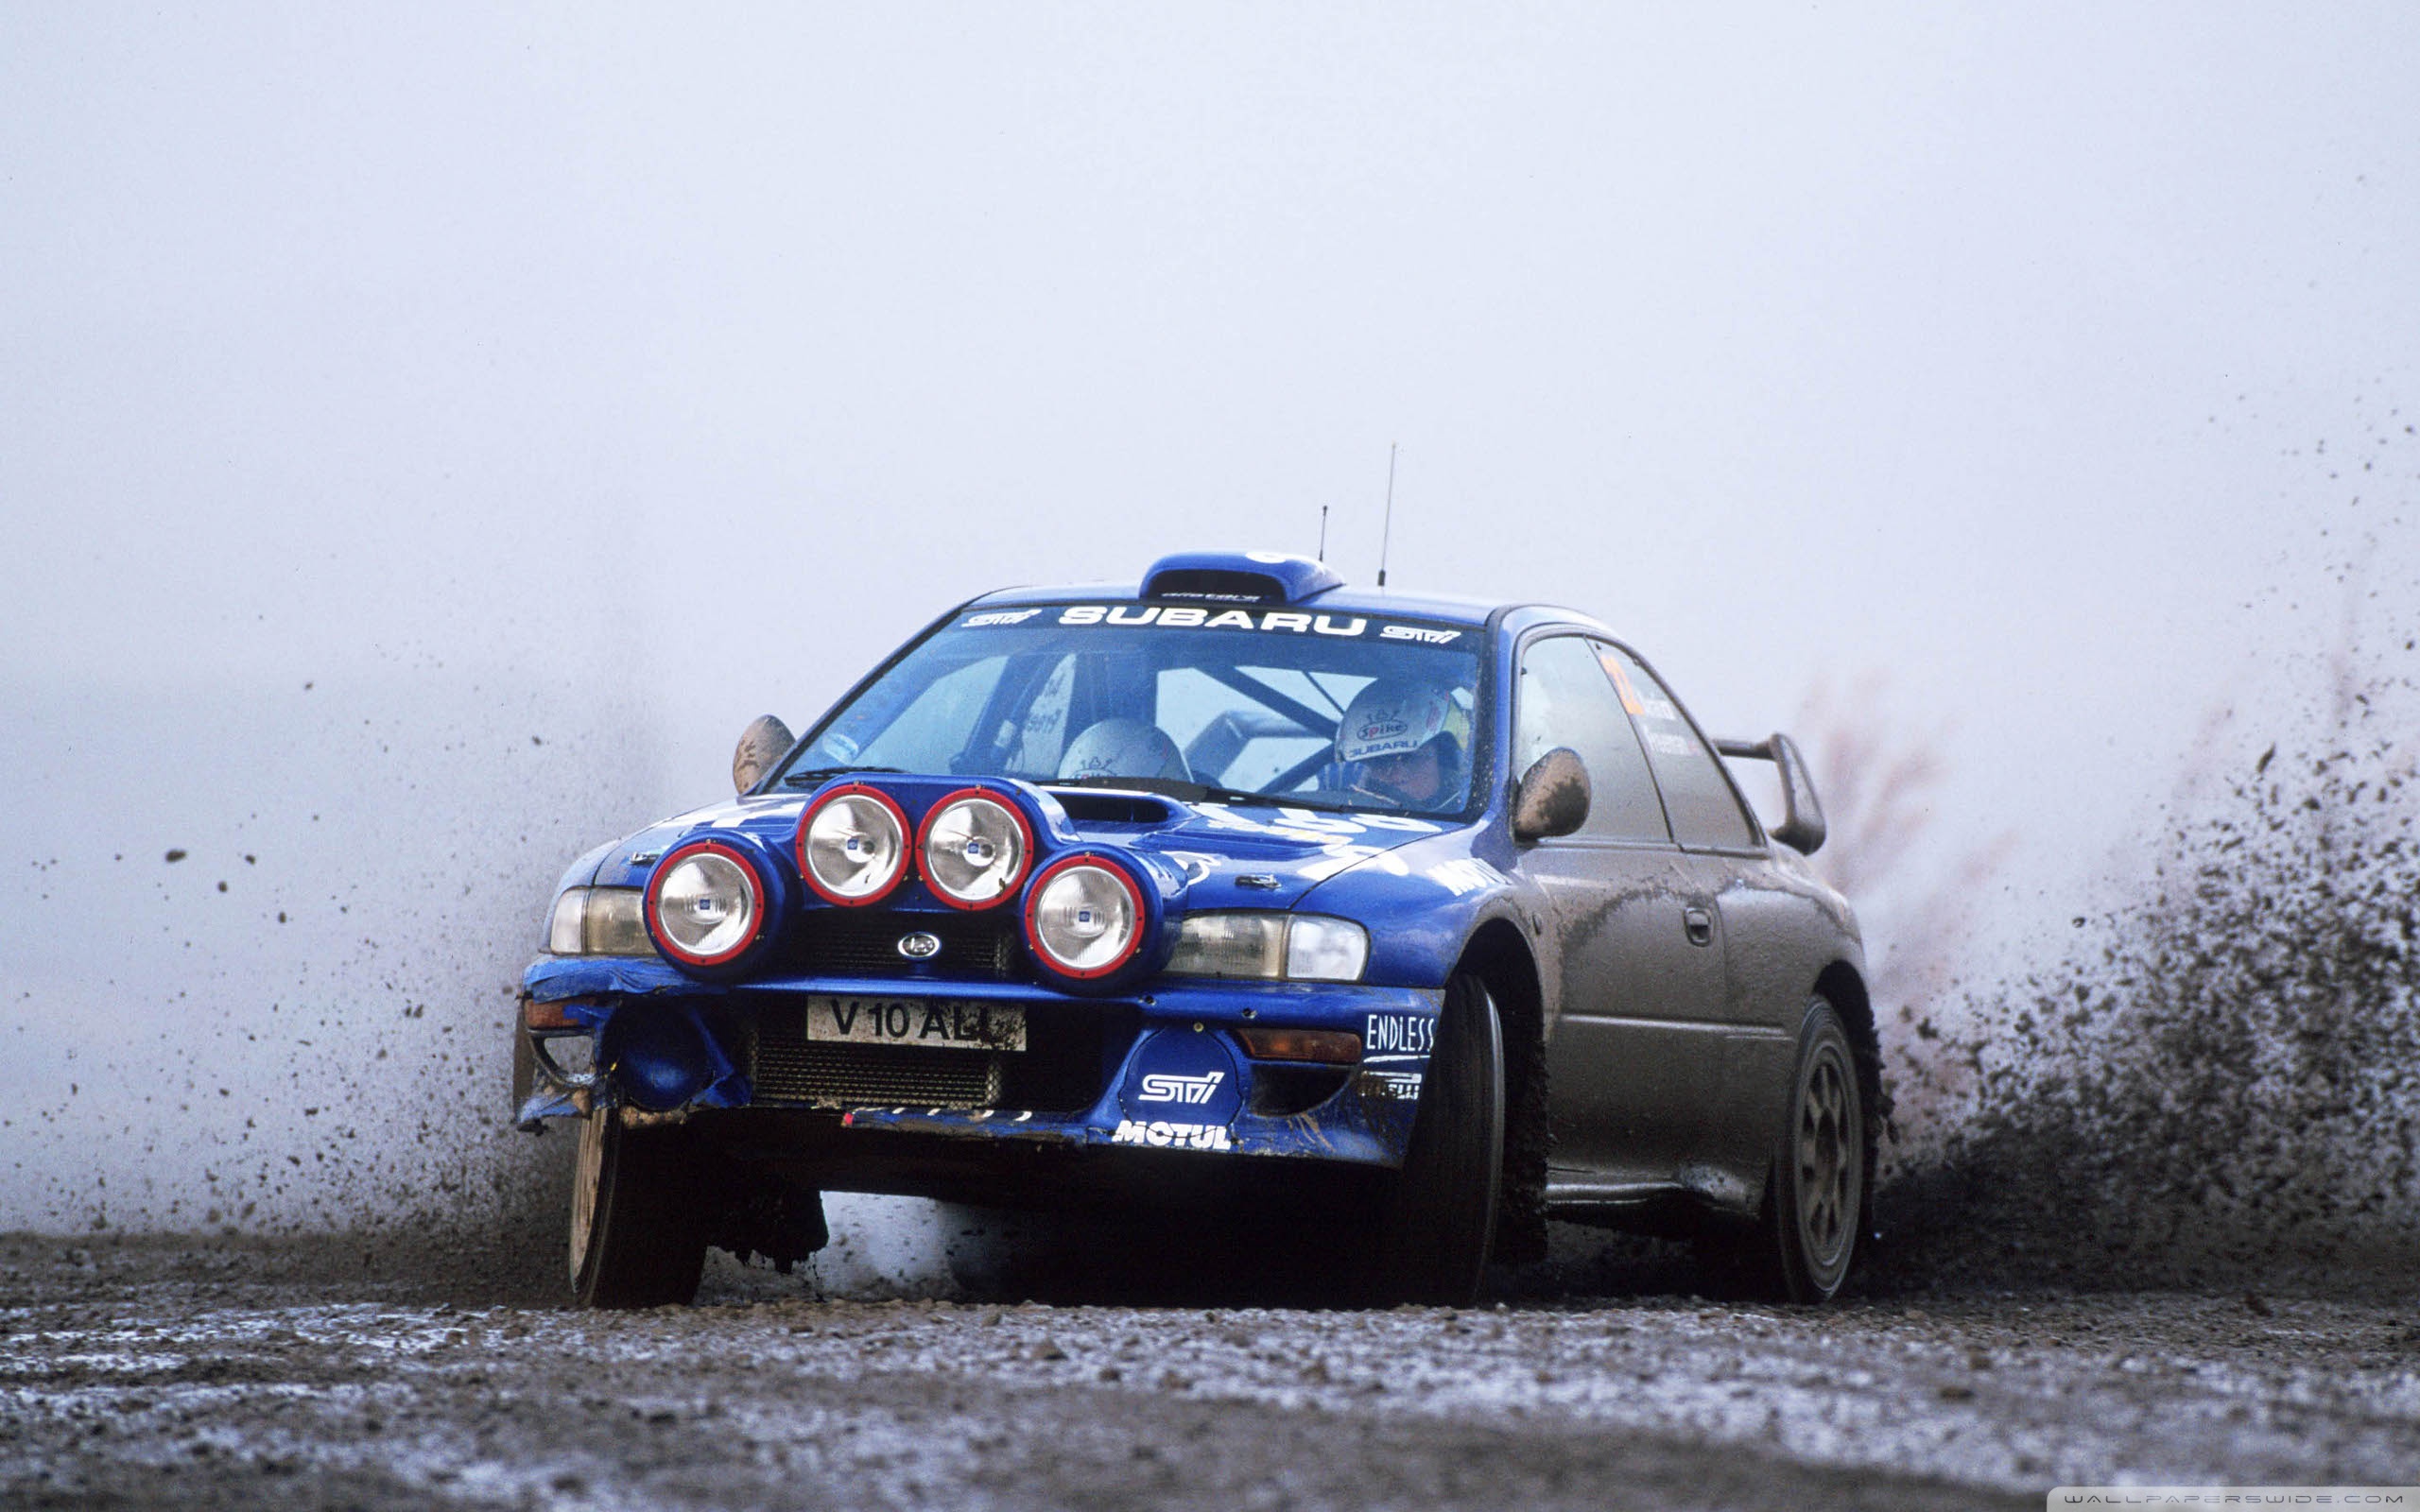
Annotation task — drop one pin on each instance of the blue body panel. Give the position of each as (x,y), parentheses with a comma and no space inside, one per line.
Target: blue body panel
(1419,911)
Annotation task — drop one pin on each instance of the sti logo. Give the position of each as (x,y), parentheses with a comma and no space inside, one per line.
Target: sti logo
(1161,1087)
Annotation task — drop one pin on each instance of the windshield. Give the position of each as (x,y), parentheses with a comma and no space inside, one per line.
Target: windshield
(1342,711)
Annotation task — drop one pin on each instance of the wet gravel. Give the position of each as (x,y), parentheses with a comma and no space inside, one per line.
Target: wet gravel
(222,1373)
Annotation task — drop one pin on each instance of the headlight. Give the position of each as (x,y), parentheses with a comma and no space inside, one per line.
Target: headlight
(852,846)
(1319,949)
(1230,945)
(1301,947)
(706,903)
(599,921)
(1085,916)
(974,848)
(567,930)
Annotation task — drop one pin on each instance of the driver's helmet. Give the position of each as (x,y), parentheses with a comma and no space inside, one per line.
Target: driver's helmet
(1124,748)
(1399,717)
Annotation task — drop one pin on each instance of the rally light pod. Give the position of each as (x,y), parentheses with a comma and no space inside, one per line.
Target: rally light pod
(853,845)
(975,848)
(1096,918)
(713,902)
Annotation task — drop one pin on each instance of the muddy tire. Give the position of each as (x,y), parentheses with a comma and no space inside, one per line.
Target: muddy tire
(636,1238)
(1815,1201)
(1440,1215)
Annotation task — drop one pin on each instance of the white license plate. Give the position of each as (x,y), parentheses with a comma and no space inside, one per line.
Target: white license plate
(923,1022)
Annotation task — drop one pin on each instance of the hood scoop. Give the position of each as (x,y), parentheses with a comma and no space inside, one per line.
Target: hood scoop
(1096,806)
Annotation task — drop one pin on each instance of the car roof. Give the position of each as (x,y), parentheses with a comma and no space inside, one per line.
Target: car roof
(1287,583)
(1347,600)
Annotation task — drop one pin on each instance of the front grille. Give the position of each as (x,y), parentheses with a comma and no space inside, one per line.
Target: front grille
(795,1071)
(865,942)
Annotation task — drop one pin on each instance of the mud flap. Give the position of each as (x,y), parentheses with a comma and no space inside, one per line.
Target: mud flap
(781,1221)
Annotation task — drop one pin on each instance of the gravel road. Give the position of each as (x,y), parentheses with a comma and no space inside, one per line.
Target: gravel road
(226,1373)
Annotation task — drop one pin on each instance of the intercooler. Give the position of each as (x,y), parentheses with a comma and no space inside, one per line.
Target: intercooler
(840,1075)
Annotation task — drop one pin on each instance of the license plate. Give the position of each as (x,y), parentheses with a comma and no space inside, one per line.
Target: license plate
(921,1023)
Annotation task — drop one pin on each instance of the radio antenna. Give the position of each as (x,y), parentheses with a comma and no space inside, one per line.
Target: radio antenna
(1385,531)
(1323,532)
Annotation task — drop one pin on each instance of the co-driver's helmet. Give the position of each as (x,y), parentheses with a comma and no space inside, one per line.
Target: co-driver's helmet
(1124,748)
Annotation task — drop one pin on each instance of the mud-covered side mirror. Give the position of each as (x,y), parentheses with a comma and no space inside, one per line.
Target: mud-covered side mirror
(1802,826)
(761,745)
(1552,798)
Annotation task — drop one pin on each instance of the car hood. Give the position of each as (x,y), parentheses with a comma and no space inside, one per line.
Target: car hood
(1233,855)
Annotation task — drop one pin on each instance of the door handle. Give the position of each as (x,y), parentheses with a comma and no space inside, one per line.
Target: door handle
(1700,926)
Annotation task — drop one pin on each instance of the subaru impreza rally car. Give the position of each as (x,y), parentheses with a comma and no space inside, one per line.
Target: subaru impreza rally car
(1234,880)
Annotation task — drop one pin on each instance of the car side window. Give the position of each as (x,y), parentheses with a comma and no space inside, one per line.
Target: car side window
(1565,699)
(1705,807)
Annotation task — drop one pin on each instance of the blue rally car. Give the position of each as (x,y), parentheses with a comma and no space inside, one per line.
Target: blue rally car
(1238,881)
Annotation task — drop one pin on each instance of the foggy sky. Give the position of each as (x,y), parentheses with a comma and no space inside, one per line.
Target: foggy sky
(553,391)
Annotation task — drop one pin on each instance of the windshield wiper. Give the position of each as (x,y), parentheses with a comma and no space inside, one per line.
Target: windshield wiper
(820,774)
(1203,793)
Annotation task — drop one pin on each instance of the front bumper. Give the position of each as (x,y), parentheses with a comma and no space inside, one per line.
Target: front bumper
(1097,1072)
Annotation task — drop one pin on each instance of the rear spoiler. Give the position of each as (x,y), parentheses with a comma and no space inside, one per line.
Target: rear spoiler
(1801,824)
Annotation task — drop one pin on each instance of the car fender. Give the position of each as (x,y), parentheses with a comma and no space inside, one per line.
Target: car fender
(1424,903)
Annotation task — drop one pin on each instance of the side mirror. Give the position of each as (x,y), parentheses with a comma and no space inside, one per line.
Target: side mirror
(1552,798)
(761,745)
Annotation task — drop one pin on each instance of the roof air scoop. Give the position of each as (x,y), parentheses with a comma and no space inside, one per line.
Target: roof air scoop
(1238,577)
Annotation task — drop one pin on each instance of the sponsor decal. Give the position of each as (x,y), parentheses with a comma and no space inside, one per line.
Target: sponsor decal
(1399,1036)
(1669,745)
(1467,875)
(1396,1086)
(1190,617)
(999,617)
(1197,865)
(1612,662)
(1662,709)
(1183,1073)
(1165,1135)
(1331,832)
(1164,1088)
(1420,633)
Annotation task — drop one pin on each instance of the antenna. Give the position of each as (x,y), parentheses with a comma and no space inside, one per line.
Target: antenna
(1323,532)
(1387,531)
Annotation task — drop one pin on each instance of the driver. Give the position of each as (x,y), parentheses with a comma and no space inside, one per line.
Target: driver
(1403,743)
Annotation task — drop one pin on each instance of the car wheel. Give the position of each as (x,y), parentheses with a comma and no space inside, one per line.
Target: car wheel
(1439,1218)
(1815,1198)
(636,1236)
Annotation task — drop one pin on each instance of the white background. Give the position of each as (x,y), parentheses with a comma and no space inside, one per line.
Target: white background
(427,440)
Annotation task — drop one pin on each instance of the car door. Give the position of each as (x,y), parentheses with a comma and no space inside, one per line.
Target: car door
(1725,850)
(1635,1054)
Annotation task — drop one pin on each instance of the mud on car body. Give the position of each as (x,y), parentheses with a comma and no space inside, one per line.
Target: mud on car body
(1435,918)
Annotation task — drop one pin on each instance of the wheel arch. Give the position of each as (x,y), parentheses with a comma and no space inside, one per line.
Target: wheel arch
(1498,955)
(1841,984)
